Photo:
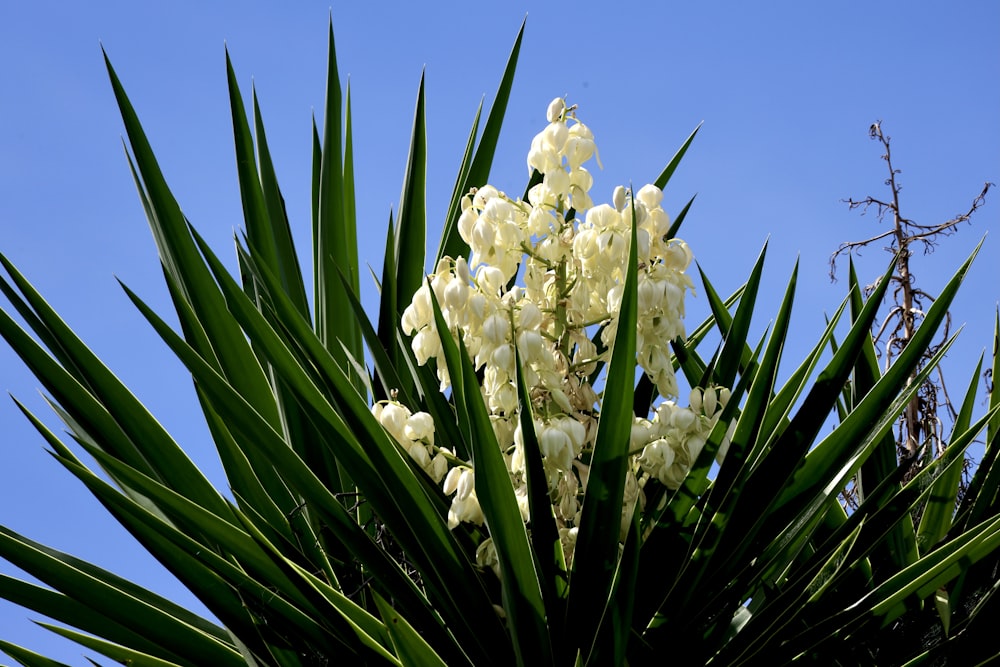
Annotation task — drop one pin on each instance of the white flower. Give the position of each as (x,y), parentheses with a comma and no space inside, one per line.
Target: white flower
(650,196)
(567,539)
(465,505)
(426,345)
(567,491)
(438,467)
(579,145)
(419,454)
(557,447)
(456,296)
(496,329)
(420,427)
(486,556)
(656,459)
(393,418)
(419,313)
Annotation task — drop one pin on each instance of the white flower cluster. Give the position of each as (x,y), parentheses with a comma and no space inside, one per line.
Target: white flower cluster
(415,434)
(571,258)
(673,439)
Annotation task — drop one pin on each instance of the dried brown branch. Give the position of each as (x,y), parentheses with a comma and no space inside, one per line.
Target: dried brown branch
(921,428)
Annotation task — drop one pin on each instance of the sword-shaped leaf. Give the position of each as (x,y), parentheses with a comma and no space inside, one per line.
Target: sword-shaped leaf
(522,593)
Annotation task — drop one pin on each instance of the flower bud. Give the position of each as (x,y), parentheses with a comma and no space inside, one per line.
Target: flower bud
(619,198)
(466,484)
(554,137)
(724,396)
(477,307)
(695,399)
(555,110)
(709,401)
(694,444)
(462,270)
(483,195)
(649,295)
(578,150)
(451,481)
(465,224)
(640,433)
(504,399)
(483,236)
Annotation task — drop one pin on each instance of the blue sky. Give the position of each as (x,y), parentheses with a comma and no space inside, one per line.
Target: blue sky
(786,90)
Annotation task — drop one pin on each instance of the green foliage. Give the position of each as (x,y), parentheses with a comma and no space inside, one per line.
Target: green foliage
(753,561)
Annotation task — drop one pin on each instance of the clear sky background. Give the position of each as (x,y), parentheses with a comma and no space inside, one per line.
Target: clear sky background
(787,91)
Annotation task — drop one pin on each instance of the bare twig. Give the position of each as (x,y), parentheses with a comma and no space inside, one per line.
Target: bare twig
(921,428)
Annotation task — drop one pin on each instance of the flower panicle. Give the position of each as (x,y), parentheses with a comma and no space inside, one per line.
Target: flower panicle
(546,276)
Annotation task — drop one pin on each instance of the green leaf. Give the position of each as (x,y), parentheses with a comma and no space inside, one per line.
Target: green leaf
(335,240)
(686,356)
(545,544)
(668,171)
(459,190)
(28,658)
(596,553)
(834,564)
(843,451)
(255,210)
(675,226)
(377,467)
(412,219)
(764,487)
(212,331)
(521,591)
(331,604)
(734,349)
(388,320)
(288,268)
(72,612)
(735,471)
(616,626)
(84,385)
(900,549)
(265,442)
(875,402)
(920,580)
(113,597)
(981,499)
(229,591)
(478,173)
(120,654)
(412,649)
(780,405)
(936,518)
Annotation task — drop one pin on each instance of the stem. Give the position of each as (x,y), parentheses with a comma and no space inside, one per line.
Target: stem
(911,414)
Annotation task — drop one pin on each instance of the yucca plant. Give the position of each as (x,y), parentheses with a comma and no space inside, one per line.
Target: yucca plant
(474,475)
